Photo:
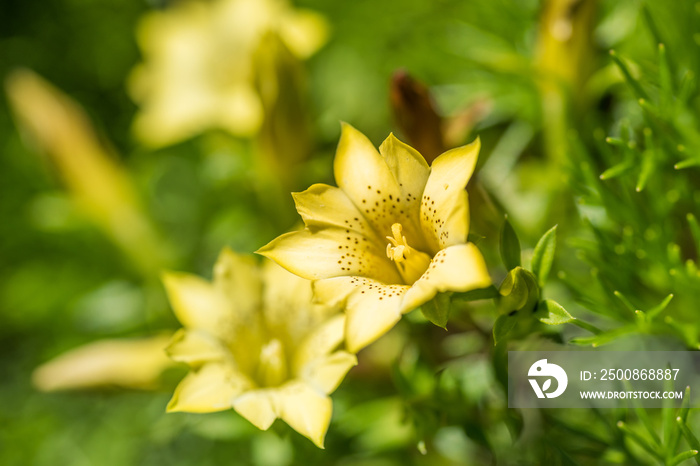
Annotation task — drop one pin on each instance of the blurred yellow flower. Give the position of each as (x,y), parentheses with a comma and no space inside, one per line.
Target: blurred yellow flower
(135,363)
(91,172)
(389,238)
(255,342)
(199,65)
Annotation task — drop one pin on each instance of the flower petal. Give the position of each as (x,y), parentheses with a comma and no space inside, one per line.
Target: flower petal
(305,410)
(124,363)
(237,278)
(288,308)
(326,373)
(258,407)
(210,389)
(196,302)
(411,172)
(320,342)
(323,206)
(363,174)
(330,252)
(444,211)
(195,347)
(313,361)
(372,308)
(457,268)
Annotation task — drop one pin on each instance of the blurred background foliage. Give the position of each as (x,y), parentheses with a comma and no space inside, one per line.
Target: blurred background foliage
(604,145)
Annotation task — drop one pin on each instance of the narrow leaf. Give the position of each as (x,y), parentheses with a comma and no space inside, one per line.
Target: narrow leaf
(689,437)
(687,163)
(640,440)
(685,406)
(656,310)
(615,142)
(651,23)
(510,246)
(647,168)
(634,84)
(694,229)
(665,76)
(616,170)
(623,299)
(543,256)
(680,457)
(605,337)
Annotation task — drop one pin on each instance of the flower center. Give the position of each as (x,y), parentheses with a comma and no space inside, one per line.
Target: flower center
(410,262)
(272,368)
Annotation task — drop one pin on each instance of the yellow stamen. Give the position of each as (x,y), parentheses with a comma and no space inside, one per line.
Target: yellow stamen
(272,368)
(410,262)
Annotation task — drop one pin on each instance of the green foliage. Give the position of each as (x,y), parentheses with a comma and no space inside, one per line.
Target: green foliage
(437,310)
(510,246)
(543,256)
(551,313)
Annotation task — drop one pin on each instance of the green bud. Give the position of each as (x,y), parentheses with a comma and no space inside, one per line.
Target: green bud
(519,291)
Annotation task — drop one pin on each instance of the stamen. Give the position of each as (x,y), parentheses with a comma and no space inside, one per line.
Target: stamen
(272,368)
(410,262)
(400,250)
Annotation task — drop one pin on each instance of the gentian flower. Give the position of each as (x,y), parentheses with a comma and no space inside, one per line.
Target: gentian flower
(256,343)
(390,237)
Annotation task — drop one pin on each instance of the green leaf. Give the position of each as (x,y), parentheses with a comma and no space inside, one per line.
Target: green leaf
(687,163)
(680,457)
(605,337)
(640,440)
(633,83)
(437,310)
(689,436)
(694,229)
(503,326)
(543,256)
(647,169)
(664,71)
(653,312)
(510,246)
(552,313)
(685,405)
(627,303)
(616,170)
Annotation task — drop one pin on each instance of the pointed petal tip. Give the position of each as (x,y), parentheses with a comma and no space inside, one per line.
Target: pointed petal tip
(348,131)
(172,406)
(345,127)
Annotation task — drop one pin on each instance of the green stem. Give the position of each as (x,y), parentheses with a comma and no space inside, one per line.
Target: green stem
(586,326)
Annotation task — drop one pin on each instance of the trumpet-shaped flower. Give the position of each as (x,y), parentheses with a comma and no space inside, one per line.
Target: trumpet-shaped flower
(133,363)
(256,343)
(390,237)
(199,65)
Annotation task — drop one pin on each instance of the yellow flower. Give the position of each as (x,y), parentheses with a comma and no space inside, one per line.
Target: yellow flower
(199,67)
(389,238)
(136,363)
(255,342)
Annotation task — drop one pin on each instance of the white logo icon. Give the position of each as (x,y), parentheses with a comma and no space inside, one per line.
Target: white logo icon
(543,369)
